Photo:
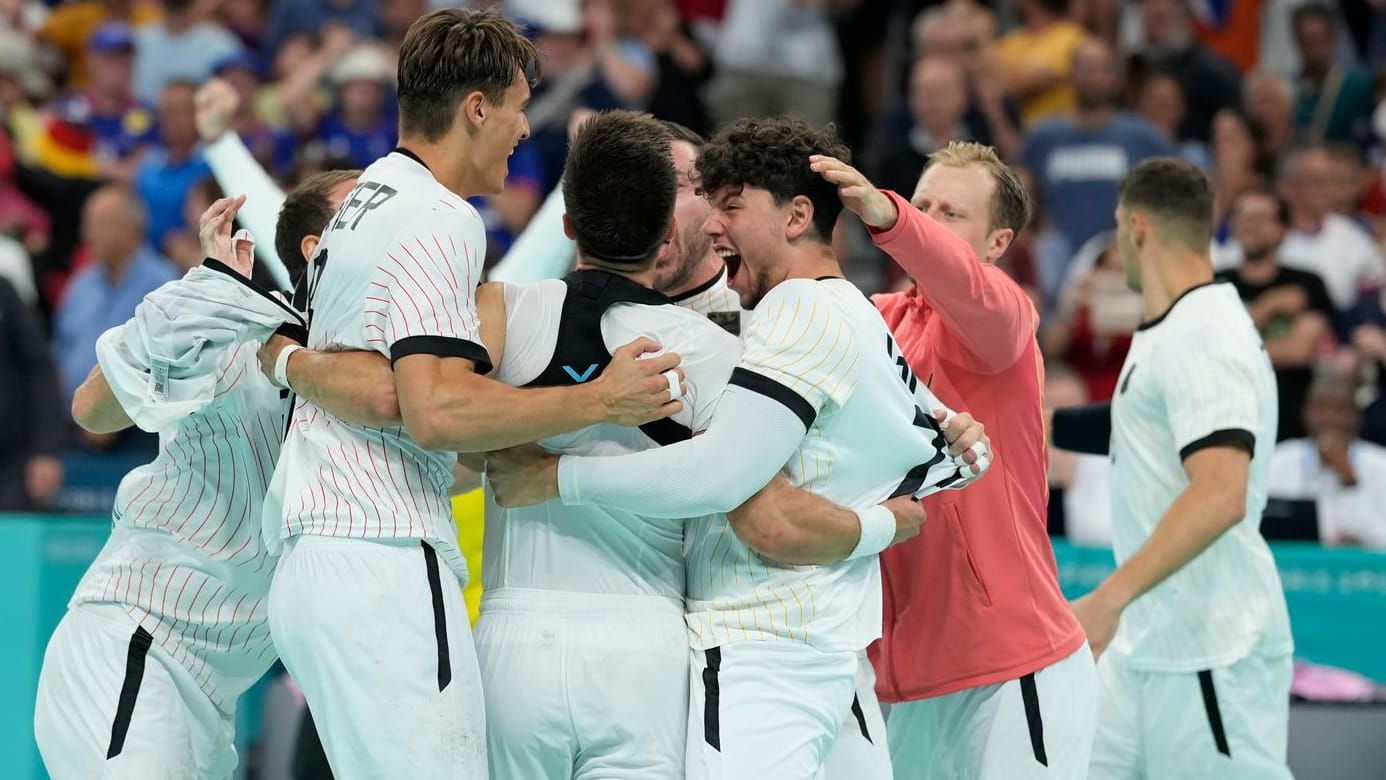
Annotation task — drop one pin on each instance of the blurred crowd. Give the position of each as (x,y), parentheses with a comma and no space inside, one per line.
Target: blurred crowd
(1281,101)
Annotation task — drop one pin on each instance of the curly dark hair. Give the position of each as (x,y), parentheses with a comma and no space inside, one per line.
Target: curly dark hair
(772,154)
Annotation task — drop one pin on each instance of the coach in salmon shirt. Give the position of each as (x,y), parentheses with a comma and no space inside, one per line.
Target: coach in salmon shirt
(988,670)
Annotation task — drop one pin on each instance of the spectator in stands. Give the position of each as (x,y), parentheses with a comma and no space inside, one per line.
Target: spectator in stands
(1210,81)
(1161,101)
(682,67)
(1077,161)
(104,294)
(244,19)
(1240,163)
(183,246)
(308,17)
(1331,245)
(72,23)
(297,97)
(1080,504)
(32,429)
(272,147)
(776,57)
(1364,328)
(1343,475)
(1270,100)
(1349,183)
(1092,326)
(361,128)
(181,47)
(123,127)
(172,167)
(938,106)
(1290,307)
(1035,61)
(962,31)
(1335,102)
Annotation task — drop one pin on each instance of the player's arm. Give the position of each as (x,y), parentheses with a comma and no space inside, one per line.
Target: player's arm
(1211,408)
(981,306)
(793,526)
(95,407)
(355,386)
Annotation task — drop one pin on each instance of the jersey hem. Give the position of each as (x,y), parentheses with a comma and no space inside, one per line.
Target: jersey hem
(1016,671)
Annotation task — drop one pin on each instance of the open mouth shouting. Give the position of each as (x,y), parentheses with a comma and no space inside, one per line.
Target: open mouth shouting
(733,260)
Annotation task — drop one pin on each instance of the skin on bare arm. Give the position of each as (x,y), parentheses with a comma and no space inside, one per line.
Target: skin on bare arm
(95,408)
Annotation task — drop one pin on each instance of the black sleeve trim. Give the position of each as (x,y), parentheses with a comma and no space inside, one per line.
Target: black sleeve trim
(1086,429)
(212,264)
(1227,437)
(759,383)
(293,331)
(442,346)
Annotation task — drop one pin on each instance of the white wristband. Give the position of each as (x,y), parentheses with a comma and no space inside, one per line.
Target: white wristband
(281,366)
(877,531)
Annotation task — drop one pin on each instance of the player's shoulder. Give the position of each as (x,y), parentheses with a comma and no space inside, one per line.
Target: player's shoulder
(675,328)
(804,294)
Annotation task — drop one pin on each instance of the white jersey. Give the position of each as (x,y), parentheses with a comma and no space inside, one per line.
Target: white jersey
(396,272)
(1195,377)
(822,349)
(718,302)
(185,557)
(598,549)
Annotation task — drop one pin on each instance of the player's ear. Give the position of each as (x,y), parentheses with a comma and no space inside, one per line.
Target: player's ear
(799,218)
(307,246)
(997,244)
(473,109)
(568,227)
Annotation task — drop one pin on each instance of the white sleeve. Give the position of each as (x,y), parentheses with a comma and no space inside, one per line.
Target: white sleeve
(542,251)
(749,440)
(1210,393)
(239,173)
(424,290)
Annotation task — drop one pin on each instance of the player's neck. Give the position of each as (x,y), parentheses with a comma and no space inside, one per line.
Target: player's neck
(644,277)
(1168,274)
(813,261)
(447,160)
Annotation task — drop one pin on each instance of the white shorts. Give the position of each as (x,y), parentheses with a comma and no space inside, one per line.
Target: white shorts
(376,635)
(583,685)
(113,704)
(767,710)
(1229,723)
(1040,725)
(861,751)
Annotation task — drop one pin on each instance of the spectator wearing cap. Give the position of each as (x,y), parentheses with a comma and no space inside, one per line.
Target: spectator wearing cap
(105,293)
(174,165)
(272,147)
(182,47)
(121,125)
(71,24)
(361,128)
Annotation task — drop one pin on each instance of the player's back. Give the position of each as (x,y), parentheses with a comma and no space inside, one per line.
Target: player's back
(597,549)
(395,273)
(873,437)
(1227,601)
(185,558)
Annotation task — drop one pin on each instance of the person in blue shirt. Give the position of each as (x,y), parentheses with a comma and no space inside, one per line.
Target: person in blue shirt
(362,127)
(104,294)
(123,126)
(174,166)
(1078,161)
(273,147)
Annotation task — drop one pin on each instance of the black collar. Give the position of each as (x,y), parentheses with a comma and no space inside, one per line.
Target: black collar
(702,288)
(1175,302)
(410,155)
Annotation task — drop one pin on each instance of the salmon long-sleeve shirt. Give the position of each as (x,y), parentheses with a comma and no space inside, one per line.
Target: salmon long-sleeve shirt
(974,599)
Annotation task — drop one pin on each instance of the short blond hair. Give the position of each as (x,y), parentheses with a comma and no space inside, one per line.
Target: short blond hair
(1010,203)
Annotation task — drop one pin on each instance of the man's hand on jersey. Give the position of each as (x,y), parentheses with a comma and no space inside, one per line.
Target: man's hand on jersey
(1099,618)
(967,439)
(216,103)
(634,390)
(909,517)
(268,354)
(860,196)
(214,233)
(522,476)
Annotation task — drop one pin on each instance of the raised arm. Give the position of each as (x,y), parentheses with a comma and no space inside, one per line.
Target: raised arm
(982,307)
(95,407)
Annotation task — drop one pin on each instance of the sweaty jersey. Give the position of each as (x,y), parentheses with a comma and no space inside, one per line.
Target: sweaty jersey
(1196,377)
(396,272)
(596,549)
(185,557)
(716,301)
